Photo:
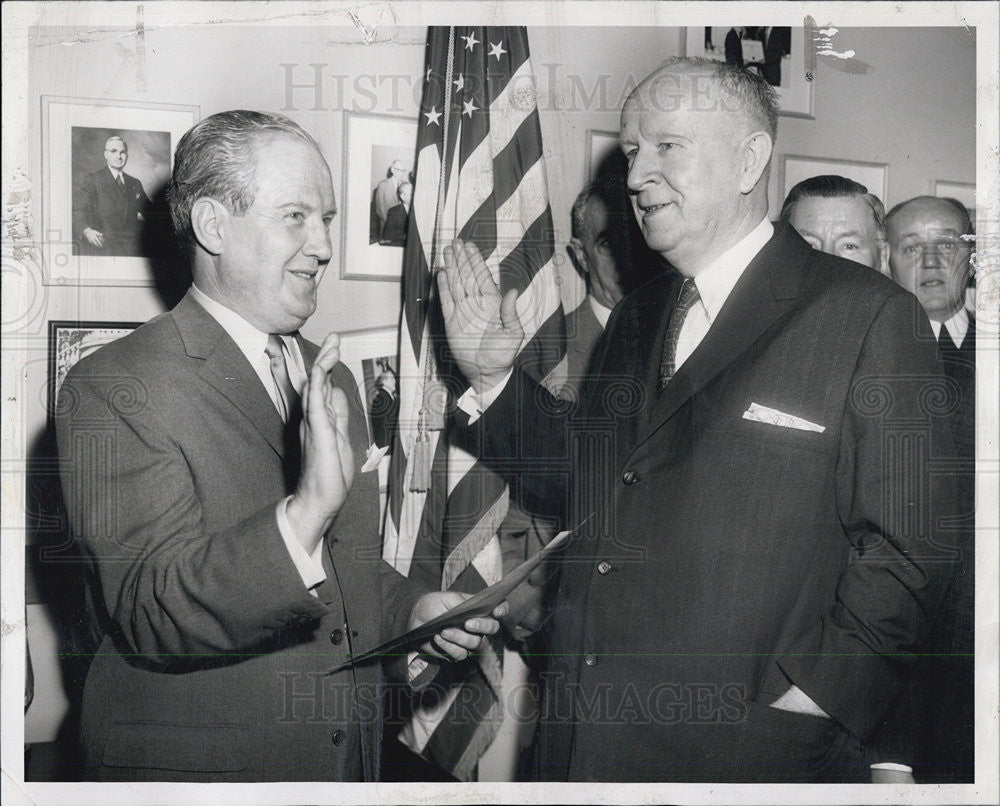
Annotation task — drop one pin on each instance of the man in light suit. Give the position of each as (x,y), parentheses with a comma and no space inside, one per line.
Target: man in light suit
(109,206)
(749,593)
(230,525)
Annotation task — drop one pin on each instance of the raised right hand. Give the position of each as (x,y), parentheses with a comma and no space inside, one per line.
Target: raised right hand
(327,456)
(483,329)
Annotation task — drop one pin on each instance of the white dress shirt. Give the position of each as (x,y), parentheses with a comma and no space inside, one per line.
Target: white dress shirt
(957,326)
(601,312)
(715,283)
(252,343)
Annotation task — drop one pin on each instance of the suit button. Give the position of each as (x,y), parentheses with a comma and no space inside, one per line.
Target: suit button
(590,659)
(603,567)
(629,477)
(336,636)
(339,737)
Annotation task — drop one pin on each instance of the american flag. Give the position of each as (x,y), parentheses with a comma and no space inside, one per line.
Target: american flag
(480,176)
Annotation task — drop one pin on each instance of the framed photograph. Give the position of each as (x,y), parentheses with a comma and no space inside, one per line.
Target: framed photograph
(104,166)
(601,146)
(379,160)
(793,169)
(71,341)
(372,356)
(777,53)
(963,192)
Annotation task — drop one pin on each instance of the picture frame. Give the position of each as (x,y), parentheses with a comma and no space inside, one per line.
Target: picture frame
(784,61)
(962,192)
(600,146)
(77,187)
(369,354)
(793,168)
(71,340)
(379,156)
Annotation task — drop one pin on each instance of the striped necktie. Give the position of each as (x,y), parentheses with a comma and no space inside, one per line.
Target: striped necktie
(687,297)
(287,396)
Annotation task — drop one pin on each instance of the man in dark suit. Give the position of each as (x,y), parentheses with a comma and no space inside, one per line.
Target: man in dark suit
(109,206)
(748,595)
(777,44)
(933,724)
(231,527)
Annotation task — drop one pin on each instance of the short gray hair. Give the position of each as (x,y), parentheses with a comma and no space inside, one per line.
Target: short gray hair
(831,186)
(217,158)
(751,92)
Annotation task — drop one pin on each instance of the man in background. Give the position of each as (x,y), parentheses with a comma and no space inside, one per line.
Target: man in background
(930,244)
(840,217)
(608,251)
(109,206)
(212,464)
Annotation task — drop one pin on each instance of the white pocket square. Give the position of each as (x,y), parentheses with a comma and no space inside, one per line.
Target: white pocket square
(763,414)
(375,454)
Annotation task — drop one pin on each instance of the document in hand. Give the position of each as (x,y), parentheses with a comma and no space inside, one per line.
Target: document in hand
(480,604)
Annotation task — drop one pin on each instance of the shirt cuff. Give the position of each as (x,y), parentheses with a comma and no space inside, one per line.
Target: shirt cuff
(889,765)
(309,566)
(415,666)
(474,404)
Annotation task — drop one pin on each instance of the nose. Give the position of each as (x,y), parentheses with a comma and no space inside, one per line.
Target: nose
(930,256)
(318,244)
(640,171)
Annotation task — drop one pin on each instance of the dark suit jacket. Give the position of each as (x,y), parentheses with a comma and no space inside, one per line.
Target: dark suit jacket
(583,331)
(102,204)
(394,231)
(213,663)
(931,726)
(729,558)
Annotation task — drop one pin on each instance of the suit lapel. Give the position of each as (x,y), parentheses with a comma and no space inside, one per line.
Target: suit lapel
(227,369)
(762,295)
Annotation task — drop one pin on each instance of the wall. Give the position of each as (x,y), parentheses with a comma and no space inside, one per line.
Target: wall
(915,111)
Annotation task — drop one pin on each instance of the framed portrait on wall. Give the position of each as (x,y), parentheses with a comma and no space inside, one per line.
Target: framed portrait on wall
(373,358)
(775,52)
(69,341)
(105,165)
(873,175)
(962,192)
(379,162)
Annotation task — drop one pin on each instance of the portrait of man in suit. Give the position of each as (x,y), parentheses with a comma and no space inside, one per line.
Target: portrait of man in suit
(109,206)
(213,471)
(840,217)
(753,583)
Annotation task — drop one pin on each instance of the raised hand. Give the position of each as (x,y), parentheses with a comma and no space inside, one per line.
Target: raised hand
(327,457)
(483,329)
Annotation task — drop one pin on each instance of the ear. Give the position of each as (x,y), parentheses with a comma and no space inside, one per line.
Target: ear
(883,258)
(755,154)
(578,256)
(209,218)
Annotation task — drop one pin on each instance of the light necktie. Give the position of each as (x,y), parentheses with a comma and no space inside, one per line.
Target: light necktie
(688,296)
(287,396)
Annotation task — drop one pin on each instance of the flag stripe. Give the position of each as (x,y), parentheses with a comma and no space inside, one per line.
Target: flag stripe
(479,95)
